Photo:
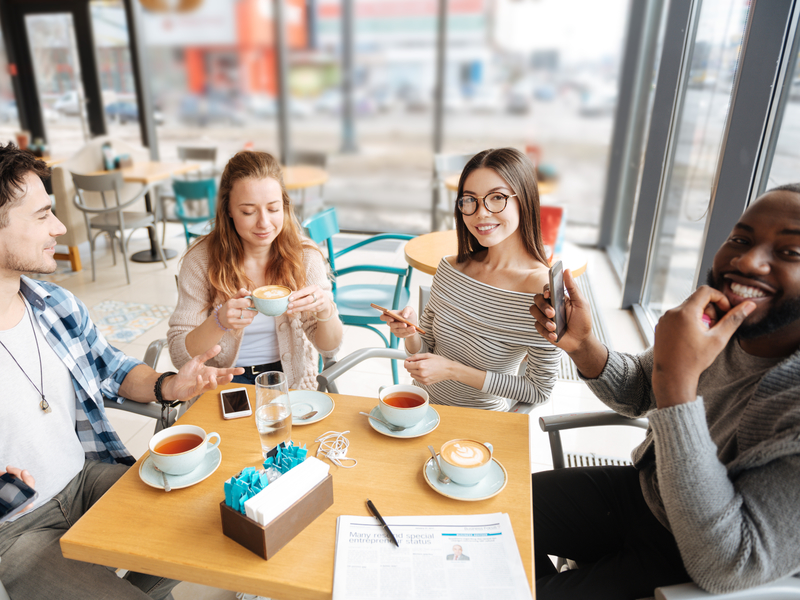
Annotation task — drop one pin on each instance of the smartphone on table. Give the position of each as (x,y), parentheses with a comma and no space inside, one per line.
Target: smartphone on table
(235,403)
(557,300)
(15,495)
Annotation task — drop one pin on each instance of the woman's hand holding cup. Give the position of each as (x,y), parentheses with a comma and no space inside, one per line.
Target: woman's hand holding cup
(400,329)
(238,312)
(312,298)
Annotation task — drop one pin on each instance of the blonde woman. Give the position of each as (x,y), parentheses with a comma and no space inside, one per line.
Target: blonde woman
(256,241)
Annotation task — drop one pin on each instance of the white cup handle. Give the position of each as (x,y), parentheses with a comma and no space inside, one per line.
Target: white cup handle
(380,389)
(215,444)
(490,447)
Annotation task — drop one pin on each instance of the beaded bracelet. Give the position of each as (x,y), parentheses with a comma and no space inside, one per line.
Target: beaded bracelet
(333,314)
(216,318)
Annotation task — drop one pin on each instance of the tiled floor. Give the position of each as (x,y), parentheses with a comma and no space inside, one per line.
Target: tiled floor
(154,286)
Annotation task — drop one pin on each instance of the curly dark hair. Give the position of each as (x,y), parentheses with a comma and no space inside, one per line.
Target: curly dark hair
(14,165)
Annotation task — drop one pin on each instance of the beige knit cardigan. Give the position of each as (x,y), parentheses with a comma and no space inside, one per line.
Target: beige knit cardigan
(296,333)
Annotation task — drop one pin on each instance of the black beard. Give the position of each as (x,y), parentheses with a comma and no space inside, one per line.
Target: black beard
(784,313)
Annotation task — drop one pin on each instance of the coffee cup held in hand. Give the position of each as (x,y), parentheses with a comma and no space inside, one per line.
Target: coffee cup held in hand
(181,448)
(466,461)
(403,405)
(271,300)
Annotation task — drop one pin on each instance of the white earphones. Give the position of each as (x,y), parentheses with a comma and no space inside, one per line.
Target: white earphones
(333,445)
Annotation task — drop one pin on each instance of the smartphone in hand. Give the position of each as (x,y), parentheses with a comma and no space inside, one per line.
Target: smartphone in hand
(15,496)
(557,300)
(397,317)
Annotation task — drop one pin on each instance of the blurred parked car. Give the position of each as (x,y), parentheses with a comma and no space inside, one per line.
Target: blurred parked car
(128,112)
(598,101)
(8,111)
(330,102)
(263,106)
(68,104)
(487,99)
(207,110)
(518,99)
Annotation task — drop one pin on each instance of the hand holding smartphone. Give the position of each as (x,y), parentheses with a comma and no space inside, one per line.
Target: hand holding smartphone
(235,403)
(557,300)
(397,317)
(15,496)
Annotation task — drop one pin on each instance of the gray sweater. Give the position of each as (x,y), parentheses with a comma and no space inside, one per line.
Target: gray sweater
(723,472)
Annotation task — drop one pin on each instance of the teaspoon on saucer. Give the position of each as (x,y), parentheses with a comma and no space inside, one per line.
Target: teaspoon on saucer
(164,477)
(308,415)
(442,477)
(388,426)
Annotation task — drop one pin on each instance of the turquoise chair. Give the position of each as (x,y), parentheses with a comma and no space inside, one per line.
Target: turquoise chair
(193,191)
(353,301)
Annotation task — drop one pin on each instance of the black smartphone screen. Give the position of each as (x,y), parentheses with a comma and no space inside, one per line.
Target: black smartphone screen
(234,401)
(14,494)
(557,298)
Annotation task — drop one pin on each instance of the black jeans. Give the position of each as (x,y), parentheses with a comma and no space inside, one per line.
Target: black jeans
(597,517)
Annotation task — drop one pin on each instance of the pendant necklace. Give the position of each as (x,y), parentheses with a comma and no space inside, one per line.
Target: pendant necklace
(44,405)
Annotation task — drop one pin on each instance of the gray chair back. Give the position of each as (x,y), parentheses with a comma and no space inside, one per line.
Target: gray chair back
(309,157)
(441,207)
(206,155)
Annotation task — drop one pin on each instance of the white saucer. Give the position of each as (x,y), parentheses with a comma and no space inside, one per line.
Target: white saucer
(491,485)
(304,401)
(151,477)
(429,422)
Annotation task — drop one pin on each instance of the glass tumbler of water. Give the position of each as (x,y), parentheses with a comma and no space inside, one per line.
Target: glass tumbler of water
(273,410)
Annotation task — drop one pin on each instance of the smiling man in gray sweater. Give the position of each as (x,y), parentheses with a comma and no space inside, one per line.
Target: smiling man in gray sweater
(714,493)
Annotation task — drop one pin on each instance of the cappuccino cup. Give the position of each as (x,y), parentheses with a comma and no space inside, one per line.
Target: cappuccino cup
(466,462)
(180,449)
(271,300)
(403,405)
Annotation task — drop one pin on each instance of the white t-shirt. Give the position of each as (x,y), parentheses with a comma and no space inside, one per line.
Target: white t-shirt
(45,444)
(260,343)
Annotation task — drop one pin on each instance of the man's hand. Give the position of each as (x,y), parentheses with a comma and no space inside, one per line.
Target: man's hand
(685,346)
(25,476)
(579,316)
(584,349)
(195,377)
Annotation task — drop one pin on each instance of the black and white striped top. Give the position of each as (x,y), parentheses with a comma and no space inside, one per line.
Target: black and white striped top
(489,329)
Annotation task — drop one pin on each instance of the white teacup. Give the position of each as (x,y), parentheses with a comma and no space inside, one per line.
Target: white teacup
(181,448)
(466,462)
(271,300)
(403,405)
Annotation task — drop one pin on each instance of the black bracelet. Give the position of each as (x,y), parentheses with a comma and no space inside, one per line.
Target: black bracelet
(157,389)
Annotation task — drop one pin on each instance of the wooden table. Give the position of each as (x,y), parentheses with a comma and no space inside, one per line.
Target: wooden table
(179,534)
(425,252)
(149,173)
(451,183)
(300,177)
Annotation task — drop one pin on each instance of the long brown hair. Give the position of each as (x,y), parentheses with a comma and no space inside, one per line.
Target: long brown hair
(226,252)
(519,173)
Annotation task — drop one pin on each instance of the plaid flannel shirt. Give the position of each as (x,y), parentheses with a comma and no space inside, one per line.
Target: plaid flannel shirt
(97,368)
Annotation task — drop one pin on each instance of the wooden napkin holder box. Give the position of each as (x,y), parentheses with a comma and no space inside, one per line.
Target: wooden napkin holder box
(266,540)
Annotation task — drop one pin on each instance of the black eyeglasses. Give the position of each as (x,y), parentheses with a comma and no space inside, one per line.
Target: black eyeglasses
(495,202)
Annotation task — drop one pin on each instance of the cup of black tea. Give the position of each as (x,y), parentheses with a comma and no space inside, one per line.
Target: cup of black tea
(181,448)
(403,405)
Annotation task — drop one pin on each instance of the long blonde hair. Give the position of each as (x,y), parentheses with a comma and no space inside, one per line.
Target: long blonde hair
(226,252)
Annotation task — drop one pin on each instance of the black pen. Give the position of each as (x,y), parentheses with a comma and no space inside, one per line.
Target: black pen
(378,516)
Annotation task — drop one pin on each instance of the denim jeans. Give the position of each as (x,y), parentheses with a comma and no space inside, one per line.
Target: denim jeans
(32,566)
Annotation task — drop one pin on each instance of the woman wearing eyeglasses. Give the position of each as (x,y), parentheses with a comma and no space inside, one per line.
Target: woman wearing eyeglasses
(477,321)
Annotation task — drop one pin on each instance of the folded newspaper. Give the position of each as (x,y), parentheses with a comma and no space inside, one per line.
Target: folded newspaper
(440,557)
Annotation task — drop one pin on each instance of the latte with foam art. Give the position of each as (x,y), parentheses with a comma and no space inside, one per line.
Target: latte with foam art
(466,453)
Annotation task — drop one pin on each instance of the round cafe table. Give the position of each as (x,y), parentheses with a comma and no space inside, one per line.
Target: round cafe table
(451,183)
(300,177)
(426,251)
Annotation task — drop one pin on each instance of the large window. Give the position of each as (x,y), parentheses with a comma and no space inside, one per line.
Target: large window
(785,166)
(683,208)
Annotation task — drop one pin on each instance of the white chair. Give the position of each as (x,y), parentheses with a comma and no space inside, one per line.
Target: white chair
(111,217)
(443,202)
(787,588)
